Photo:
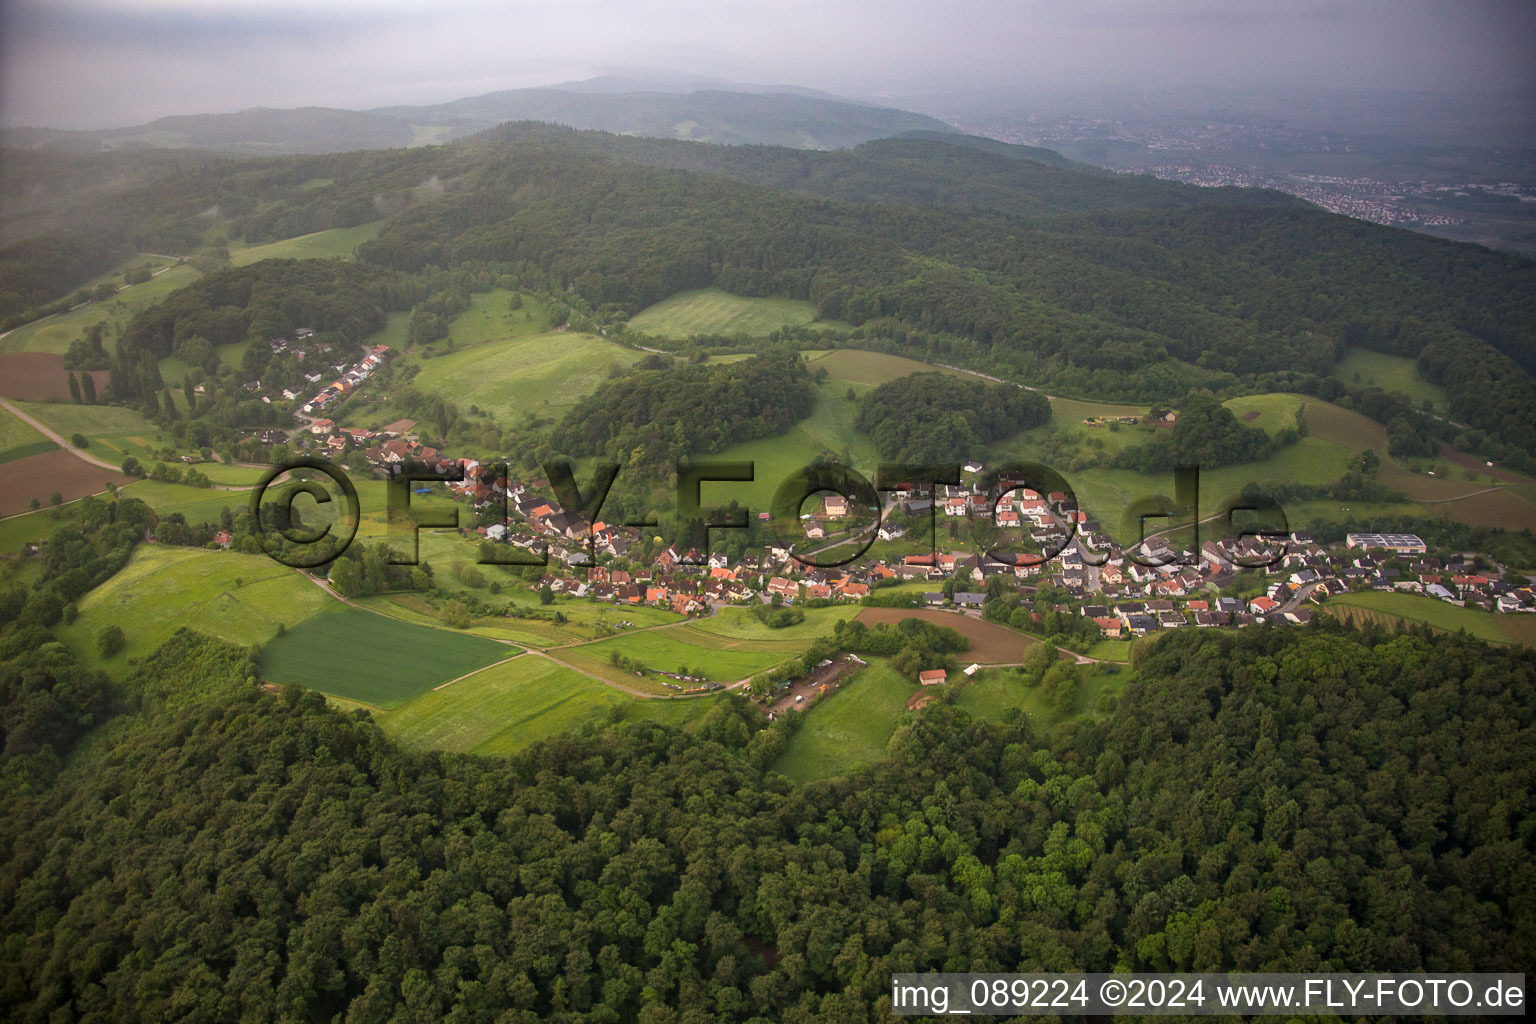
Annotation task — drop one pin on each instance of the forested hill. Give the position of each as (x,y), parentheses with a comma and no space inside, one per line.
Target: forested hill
(1086,284)
(1282,800)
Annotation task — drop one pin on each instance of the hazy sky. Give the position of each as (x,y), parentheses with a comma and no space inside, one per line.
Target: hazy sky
(100,63)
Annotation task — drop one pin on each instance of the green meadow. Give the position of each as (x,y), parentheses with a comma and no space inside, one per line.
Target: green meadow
(713,311)
(509,706)
(55,333)
(374,660)
(337,243)
(1361,367)
(848,728)
(18,440)
(239,598)
(1420,609)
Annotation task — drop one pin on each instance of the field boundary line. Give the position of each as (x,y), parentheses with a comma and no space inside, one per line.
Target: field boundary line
(466,675)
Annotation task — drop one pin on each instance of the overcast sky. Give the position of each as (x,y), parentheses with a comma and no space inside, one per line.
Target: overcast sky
(101,63)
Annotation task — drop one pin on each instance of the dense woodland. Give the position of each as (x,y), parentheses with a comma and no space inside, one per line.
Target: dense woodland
(932,418)
(1272,799)
(653,416)
(970,252)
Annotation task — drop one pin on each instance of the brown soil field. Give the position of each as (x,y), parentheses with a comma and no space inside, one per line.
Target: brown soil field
(39,376)
(1521,628)
(991,644)
(1463,459)
(38,476)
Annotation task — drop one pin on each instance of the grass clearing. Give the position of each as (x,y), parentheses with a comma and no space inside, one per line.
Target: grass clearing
(56,332)
(1390,607)
(510,706)
(1361,367)
(540,374)
(714,311)
(848,729)
(17,439)
(321,245)
(873,368)
(660,649)
(235,597)
(375,660)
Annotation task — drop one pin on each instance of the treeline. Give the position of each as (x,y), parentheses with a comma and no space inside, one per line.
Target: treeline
(1204,433)
(654,415)
(932,418)
(37,271)
(641,872)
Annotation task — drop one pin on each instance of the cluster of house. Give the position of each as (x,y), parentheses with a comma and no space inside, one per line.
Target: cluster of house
(351,378)
(1153,587)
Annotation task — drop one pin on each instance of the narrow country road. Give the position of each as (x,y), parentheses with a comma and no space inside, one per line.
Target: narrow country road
(51,435)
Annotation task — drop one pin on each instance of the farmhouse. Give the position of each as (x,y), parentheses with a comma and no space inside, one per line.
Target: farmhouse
(932,677)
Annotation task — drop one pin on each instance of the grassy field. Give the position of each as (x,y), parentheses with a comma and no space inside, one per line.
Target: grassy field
(90,420)
(55,333)
(1072,409)
(18,440)
(542,374)
(873,368)
(163,588)
(848,728)
(373,659)
(1362,367)
(1519,628)
(337,242)
(667,650)
(509,706)
(1387,608)
(828,429)
(712,311)
(739,624)
(1275,411)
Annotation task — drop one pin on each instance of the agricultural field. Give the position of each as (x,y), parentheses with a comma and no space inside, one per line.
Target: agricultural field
(375,660)
(1520,628)
(1270,413)
(1362,367)
(54,471)
(509,706)
(1388,609)
(663,651)
(41,376)
(239,598)
(1077,411)
(991,643)
(857,366)
(18,440)
(713,311)
(56,332)
(337,243)
(540,374)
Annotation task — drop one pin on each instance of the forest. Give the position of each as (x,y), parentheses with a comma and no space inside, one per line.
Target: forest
(934,418)
(1275,799)
(653,415)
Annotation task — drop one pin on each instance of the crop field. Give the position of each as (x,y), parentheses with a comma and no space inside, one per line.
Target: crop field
(39,376)
(415,608)
(1361,367)
(239,598)
(659,649)
(53,471)
(689,633)
(542,374)
(848,728)
(507,707)
(332,244)
(91,420)
(374,660)
(712,311)
(1388,608)
(991,643)
(55,333)
(857,366)
(18,440)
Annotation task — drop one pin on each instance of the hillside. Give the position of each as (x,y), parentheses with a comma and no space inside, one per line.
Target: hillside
(723,116)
